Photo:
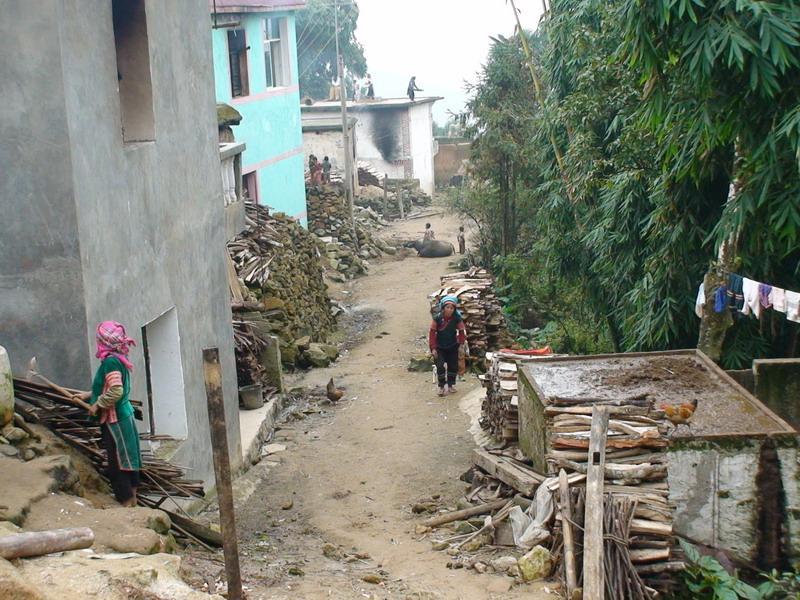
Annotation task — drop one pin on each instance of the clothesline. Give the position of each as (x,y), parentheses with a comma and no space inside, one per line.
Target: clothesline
(750,297)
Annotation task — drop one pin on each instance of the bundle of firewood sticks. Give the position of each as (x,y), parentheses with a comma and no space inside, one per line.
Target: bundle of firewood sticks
(634,514)
(45,406)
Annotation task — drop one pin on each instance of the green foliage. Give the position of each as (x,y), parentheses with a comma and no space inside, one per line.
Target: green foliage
(316,46)
(649,103)
(781,586)
(705,579)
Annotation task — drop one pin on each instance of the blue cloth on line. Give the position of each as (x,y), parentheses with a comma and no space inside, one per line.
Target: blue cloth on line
(721,299)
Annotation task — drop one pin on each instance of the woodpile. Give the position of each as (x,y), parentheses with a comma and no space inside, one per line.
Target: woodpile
(42,405)
(348,251)
(160,480)
(386,204)
(367,175)
(500,407)
(480,307)
(277,288)
(621,495)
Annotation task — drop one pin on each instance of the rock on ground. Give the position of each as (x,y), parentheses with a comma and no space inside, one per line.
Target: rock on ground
(140,530)
(14,586)
(35,480)
(536,564)
(83,574)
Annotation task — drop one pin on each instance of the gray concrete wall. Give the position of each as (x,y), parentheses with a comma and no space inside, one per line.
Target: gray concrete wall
(777,384)
(149,216)
(41,283)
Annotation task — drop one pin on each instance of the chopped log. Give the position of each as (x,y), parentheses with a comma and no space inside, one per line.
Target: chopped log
(38,543)
(637,400)
(523,479)
(666,567)
(651,528)
(593,572)
(620,471)
(561,442)
(649,556)
(613,410)
(465,513)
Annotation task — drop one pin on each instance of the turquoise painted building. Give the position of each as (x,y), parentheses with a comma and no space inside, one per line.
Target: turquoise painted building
(255,71)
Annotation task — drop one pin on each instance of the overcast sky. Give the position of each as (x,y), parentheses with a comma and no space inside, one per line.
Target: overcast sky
(442,42)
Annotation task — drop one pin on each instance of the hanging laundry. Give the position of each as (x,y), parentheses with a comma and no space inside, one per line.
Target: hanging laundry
(778,298)
(721,299)
(700,302)
(764,292)
(751,299)
(793,306)
(735,294)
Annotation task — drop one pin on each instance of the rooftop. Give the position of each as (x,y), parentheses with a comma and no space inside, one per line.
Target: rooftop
(724,407)
(244,6)
(311,123)
(377,104)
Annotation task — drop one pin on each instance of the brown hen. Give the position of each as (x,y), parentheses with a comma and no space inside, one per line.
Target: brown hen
(332,392)
(680,414)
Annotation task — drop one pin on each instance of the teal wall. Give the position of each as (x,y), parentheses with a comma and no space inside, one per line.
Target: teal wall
(271,125)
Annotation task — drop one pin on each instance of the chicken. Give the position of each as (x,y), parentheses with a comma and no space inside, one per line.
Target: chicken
(332,392)
(680,414)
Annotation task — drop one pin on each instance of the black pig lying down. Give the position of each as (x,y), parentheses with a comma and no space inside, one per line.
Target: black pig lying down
(432,248)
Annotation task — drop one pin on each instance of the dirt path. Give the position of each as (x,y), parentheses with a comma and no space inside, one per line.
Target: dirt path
(353,474)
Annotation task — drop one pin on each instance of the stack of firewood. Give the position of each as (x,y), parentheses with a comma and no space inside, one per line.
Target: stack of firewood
(638,553)
(499,414)
(478,304)
(367,175)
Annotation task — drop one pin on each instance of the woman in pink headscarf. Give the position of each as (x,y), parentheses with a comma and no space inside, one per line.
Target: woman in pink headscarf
(110,403)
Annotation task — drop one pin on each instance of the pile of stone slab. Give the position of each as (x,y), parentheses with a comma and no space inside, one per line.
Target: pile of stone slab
(277,288)
(480,307)
(387,205)
(349,243)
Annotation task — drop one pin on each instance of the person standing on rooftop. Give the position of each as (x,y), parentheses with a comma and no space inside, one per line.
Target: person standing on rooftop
(412,87)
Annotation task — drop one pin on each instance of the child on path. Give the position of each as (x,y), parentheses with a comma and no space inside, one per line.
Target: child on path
(447,333)
(429,235)
(326,170)
(462,242)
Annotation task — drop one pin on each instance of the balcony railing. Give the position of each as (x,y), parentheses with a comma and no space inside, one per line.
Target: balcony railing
(230,156)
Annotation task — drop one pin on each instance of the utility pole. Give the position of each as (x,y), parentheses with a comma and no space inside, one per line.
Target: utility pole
(348,158)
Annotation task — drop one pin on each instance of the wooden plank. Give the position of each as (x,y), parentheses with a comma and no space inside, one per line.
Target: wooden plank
(593,573)
(566,527)
(212,374)
(522,479)
(38,543)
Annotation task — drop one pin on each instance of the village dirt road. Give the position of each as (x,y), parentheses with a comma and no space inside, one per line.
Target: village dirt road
(352,476)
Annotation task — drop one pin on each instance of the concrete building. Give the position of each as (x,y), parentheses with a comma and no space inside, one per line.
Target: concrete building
(323,137)
(255,71)
(451,160)
(113,204)
(732,479)
(394,135)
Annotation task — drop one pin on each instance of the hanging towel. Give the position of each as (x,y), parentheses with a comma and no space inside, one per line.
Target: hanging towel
(793,306)
(735,294)
(701,301)
(721,299)
(751,300)
(778,298)
(764,292)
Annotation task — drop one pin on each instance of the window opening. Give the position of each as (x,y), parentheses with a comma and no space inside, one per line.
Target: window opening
(133,70)
(274,53)
(237,56)
(250,185)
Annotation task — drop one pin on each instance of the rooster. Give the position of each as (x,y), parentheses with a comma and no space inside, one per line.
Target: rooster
(680,414)
(332,392)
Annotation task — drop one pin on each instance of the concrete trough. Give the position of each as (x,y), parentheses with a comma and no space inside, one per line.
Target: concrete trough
(733,478)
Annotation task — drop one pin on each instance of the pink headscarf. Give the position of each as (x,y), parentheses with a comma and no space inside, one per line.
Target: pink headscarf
(113,341)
